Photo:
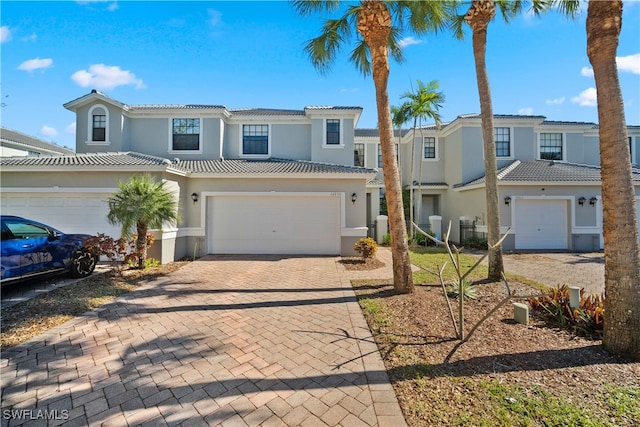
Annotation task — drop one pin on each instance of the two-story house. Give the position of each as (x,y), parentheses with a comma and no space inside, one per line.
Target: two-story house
(549,178)
(247,180)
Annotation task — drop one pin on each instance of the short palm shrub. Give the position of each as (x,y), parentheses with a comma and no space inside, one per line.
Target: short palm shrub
(366,247)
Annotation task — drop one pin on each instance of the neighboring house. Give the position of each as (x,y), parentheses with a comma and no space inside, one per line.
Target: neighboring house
(549,178)
(13,143)
(248,181)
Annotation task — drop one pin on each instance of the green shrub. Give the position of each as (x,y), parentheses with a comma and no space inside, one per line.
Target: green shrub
(386,239)
(366,247)
(475,243)
(422,240)
(468,289)
(588,318)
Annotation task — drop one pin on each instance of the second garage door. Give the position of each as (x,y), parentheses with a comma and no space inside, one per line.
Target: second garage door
(541,224)
(273,224)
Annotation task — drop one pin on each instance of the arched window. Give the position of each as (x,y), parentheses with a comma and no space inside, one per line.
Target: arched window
(98,125)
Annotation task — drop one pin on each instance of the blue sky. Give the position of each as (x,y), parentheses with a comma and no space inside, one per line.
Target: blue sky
(250,54)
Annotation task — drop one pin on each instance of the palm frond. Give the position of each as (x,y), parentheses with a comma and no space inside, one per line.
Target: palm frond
(309,7)
(360,57)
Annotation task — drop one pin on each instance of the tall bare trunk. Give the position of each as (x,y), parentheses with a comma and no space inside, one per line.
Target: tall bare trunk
(374,23)
(478,17)
(621,253)
(141,244)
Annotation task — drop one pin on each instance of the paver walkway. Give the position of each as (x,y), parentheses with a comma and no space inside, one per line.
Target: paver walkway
(225,340)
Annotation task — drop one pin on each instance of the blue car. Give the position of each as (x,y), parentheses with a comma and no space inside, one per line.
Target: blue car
(31,249)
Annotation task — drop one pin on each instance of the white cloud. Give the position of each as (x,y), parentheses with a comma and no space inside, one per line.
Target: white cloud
(111,4)
(71,128)
(30,38)
(408,41)
(587,98)
(48,131)
(106,77)
(586,72)
(5,34)
(556,101)
(215,17)
(527,111)
(36,64)
(629,64)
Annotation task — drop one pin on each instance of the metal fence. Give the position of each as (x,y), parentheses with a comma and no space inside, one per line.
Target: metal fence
(468,230)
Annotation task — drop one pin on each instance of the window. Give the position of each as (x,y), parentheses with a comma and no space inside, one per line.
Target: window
(358,155)
(333,132)
(551,146)
(502,138)
(429,147)
(186,134)
(255,140)
(99,127)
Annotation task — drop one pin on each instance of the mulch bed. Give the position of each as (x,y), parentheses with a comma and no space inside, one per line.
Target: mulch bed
(359,263)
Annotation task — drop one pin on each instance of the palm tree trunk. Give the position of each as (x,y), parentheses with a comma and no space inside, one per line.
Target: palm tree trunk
(479,17)
(141,245)
(621,253)
(374,23)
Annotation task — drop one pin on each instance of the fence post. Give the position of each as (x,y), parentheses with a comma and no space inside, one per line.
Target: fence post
(382,225)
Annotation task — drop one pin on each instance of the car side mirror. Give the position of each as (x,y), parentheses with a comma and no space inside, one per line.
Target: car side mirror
(53,236)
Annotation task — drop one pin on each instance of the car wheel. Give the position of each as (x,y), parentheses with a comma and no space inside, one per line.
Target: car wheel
(83,264)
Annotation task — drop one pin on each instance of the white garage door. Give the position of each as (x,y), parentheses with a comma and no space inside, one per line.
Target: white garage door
(273,224)
(68,212)
(541,224)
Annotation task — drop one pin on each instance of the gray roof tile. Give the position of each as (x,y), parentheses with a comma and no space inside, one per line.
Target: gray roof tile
(20,138)
(547,171)
(231,167)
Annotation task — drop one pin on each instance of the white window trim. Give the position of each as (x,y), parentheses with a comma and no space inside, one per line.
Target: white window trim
(170,149)
(364,152)
(254,156)
(511,155)
(90,140)
(436,154)
(564,147)
(324,134)
(634,141)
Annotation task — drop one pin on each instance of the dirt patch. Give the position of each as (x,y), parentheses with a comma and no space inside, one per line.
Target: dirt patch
(359,263)
(503,370)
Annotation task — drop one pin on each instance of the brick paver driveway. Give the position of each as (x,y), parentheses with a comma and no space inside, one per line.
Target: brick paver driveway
(225,340)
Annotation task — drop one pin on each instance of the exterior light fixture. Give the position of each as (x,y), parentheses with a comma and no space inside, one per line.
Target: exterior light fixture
(581,201)
(593,200)
(354,197)
(507,200)
(194,197)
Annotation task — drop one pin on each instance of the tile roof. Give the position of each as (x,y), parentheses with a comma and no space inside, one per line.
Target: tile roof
(374,132)
(265,112)
(22,139)
(230,167)
(547,171)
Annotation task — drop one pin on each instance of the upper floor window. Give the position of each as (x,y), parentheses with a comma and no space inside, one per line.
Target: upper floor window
(98,125)
(332,132)
(186,134)
(429,148)
(99,132)
(255,140)
(502,138)
(358,155)
(551,146)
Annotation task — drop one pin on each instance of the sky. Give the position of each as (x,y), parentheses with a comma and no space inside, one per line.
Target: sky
(244,54)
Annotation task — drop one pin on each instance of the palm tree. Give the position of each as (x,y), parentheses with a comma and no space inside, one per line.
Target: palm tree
(478,16)
(620,226)
(140,204)
(399,116)
(422,104)
(374,22)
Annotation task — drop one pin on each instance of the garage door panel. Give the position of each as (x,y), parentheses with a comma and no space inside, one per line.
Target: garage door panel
(274,224)
(70,213)
(541,224)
